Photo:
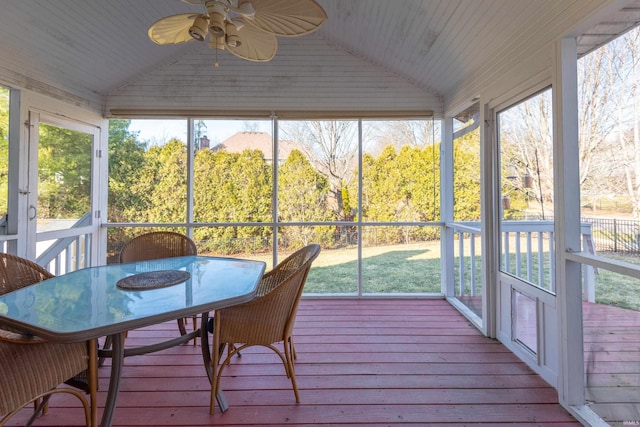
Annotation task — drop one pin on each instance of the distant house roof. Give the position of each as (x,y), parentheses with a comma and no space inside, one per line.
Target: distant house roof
(256,141)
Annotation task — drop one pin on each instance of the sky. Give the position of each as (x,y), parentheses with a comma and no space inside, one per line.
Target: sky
(157,132)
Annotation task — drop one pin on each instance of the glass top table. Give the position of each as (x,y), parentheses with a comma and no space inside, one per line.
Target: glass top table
(88,303)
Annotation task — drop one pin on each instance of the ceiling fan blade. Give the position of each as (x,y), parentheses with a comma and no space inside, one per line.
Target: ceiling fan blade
(286,18)
(172,29)
(255,45)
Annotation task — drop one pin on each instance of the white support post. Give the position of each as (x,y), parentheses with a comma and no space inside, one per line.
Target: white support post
(589,271)
(490,218)
(567,223)
(274,189)
(190,173)
(100,180)
(29,189)
(446,208)
(17,175)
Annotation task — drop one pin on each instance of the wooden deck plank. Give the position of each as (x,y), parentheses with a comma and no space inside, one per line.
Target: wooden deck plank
(360,363)
(356,415)
(377,381)
(612,352)
(184,369)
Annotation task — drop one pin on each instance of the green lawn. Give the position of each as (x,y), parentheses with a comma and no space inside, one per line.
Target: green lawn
(415,268)
(616,289)
(412,268)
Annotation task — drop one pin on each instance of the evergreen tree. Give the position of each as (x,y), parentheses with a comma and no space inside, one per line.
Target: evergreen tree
(466,179)
(232,187)
(126,157)
(64,172)
(302,197)
(162,185)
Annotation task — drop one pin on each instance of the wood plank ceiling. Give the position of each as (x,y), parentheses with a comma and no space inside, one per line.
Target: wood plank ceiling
(93,48)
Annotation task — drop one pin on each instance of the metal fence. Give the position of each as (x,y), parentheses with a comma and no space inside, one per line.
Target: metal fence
(615,235)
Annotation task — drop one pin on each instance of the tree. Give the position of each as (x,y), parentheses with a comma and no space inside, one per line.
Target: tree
(64,172)
(597,122)
(252,177)
(401,187)
(400,133)
(628,141)
(332,147)
(380,183)
(466,177)
(420,167)
(126,158)
(608,126)
(526,148)
(418,187)
(302,197)
(162,185)
(231,187)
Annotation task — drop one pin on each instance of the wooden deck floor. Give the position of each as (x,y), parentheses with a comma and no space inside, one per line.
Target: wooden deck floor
(360,363)
(612,362)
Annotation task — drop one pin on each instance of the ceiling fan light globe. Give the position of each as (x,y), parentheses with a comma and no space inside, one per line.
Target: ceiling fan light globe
(198,31)
(196,34)
(233,41)
(232,35)
(216,31)
(216,25)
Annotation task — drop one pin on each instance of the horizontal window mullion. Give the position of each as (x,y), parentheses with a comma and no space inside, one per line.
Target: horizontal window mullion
(271,224)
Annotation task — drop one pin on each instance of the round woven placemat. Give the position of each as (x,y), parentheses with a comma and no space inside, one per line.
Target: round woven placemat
(153,279)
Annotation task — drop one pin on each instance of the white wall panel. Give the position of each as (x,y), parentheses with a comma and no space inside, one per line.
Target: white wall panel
(328,79)
(76,97)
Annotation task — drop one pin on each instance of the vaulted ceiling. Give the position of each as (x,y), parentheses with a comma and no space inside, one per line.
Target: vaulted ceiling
(429,53)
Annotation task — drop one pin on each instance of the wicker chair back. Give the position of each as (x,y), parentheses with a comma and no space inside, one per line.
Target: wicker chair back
(266,320)
(156,245)
(30,370)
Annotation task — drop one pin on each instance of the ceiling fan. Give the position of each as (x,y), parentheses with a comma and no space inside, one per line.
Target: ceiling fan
(246,28)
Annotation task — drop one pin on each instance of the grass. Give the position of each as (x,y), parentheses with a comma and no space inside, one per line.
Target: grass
(415,268)
(617,289)
(411,268)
